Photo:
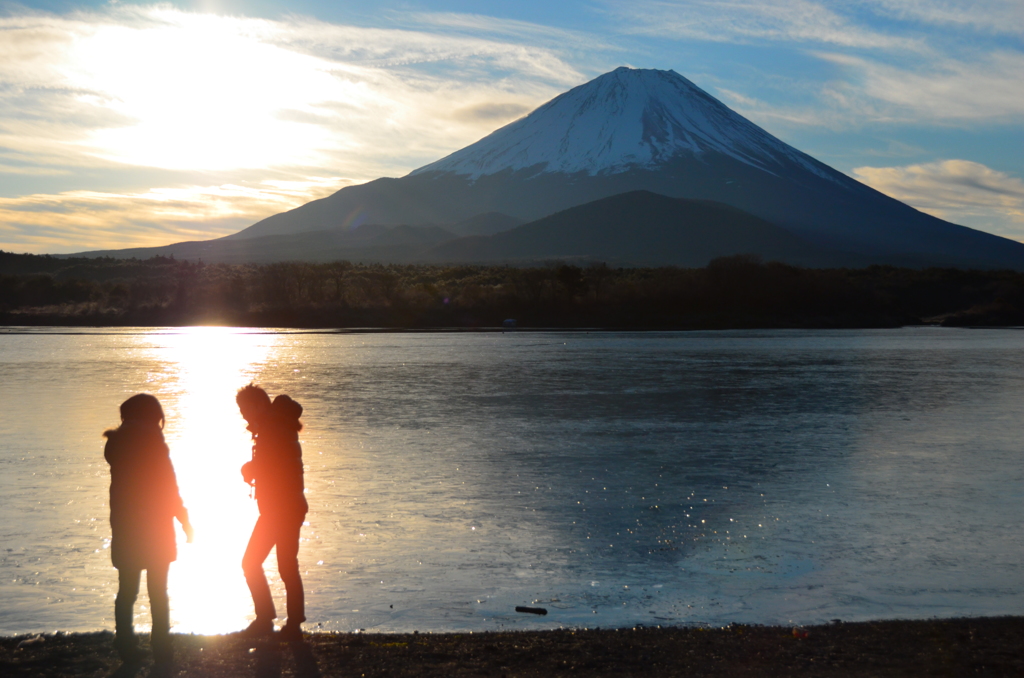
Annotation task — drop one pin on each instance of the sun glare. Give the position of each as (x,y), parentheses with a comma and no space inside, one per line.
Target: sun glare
(209,443)
(202,93)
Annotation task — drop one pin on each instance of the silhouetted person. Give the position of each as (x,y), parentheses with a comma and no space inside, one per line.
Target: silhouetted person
(144,501)
(276,471)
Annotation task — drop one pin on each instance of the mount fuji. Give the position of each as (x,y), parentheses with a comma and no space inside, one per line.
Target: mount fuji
(624,120)
(627,131)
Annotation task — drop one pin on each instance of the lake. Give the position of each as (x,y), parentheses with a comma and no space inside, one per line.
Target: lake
(615,479)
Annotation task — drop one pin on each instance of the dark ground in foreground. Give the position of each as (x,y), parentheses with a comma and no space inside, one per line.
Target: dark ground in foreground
(957,647)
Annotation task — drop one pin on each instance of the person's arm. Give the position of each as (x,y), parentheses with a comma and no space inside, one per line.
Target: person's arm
(186,525)
(249,472)
(174,495)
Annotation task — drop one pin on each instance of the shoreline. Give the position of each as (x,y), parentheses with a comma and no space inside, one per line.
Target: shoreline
(283,329)
(988,646)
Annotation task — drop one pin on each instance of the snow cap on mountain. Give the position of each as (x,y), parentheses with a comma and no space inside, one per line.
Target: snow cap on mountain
(628,118)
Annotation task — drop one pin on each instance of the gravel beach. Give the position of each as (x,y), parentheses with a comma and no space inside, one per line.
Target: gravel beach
(950,647)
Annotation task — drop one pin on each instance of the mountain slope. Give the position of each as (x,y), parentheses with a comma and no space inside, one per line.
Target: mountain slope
(638,228)
(487,223)
(369,243)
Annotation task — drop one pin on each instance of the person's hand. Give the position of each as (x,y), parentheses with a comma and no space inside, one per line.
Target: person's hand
(189,532)
(247,474)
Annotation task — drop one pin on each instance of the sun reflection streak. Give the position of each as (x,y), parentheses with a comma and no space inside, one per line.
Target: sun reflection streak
(208,442)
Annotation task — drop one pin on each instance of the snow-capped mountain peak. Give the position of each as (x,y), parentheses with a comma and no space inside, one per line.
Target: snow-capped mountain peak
(625,119)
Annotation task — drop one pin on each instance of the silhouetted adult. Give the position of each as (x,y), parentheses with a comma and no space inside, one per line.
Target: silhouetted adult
(276,472)
(144,501)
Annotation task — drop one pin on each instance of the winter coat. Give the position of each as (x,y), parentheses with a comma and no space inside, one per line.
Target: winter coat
(144,498)
(276,468)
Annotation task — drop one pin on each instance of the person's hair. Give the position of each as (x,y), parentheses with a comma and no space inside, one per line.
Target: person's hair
(141,407)
(287,411)
(251,395)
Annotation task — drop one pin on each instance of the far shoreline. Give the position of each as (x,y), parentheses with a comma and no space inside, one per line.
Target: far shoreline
(301,329)
(71,329)
(738,292)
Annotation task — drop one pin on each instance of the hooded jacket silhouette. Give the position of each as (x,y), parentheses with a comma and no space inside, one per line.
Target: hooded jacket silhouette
(144,498)
(276,466)
(276,471)
(144,501)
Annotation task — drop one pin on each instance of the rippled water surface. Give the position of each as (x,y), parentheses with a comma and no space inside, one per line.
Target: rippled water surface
(614,479)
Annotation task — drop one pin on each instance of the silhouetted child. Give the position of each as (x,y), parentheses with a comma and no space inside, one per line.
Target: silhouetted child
(144,501)
(276,471)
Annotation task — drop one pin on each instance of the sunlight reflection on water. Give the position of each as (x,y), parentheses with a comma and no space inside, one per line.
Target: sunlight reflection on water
(201,370)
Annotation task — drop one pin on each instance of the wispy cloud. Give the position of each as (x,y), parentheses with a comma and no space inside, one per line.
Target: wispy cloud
(890,62)
(522,32)
(991,16)
(88,220)
(960,191)
(833,115)
(159,87)
(800,21)
(491,112)
(156,87)
(945,91)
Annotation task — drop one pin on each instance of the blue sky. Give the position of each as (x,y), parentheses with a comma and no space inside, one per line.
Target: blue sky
(126,124)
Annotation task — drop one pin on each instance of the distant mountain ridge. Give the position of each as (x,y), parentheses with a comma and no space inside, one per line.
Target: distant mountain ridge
(628,130)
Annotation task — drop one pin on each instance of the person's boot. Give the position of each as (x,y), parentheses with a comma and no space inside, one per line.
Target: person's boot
(290,632)
(260,627)
(163,652)
(127,646)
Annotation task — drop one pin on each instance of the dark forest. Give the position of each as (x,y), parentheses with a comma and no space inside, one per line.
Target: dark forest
(731,292)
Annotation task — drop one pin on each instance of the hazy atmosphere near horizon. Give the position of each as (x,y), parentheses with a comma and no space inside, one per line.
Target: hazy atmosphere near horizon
(127,124)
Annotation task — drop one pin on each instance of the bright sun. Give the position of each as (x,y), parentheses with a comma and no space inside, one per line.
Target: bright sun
(203,93)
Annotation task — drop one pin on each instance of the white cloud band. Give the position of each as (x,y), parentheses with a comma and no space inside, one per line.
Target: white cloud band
(960,191)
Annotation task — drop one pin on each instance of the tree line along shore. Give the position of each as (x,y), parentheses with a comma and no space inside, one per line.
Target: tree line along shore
(729,293)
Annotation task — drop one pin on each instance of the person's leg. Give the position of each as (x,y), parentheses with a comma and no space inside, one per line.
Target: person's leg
(156,584)
(288,567)
(260,543)
(124,609)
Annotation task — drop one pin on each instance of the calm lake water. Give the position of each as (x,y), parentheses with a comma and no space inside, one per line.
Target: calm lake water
(612,478)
